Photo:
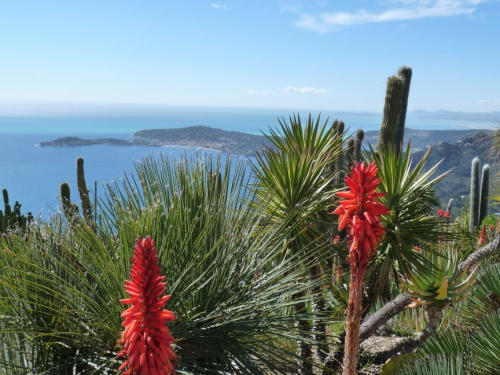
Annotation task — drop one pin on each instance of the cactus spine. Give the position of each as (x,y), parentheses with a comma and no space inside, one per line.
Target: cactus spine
(392,109)
(360,134)
(83,191)
(485,191)
(405,74)
(474,195)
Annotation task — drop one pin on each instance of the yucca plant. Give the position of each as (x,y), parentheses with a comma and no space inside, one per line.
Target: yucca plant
(294,179)
(412,202)
(232,293)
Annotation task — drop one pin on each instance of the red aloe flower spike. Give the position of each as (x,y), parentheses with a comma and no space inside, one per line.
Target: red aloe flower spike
(483,237)
(360,213)
(446,214)
(146,339)
(440,212)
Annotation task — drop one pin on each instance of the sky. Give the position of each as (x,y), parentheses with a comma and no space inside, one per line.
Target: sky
(308,54)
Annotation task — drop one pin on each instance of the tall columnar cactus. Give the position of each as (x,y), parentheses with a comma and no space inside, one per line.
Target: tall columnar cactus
(83,191)
(69,209)
(474,195)
(12,219)
(351,144)
(485,191)
(392,110)
(360,134)
(405,74)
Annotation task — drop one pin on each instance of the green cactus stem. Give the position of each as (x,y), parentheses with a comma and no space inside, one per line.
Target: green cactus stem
(392,109)
(69,208)
(360,134)
(405,74)
(83,191)
(12,219)
(474,195)
(5,196)
(485,192)
(351,145)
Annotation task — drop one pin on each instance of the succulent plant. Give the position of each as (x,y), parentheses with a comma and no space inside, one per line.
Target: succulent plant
(392,110)
(441,284)
(405,74)
(360,134)
(83,191)
(12,219)
(485,192)
(475,191)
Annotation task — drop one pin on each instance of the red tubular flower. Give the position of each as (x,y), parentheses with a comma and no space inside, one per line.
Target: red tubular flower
(146,339)
(446,214)
(360,212)
(440,212)
(483,237)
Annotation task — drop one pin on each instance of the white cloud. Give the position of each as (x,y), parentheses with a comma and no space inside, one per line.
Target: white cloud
(409,10)
(258,92)
(490,101)
(305,90)
(219,6)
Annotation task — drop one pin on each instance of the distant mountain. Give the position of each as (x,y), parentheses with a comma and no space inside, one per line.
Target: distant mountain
(491,117)
(458,156)
(421,139)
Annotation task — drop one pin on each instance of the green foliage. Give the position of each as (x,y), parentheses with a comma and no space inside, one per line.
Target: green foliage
(231,291)
(434,366)
(411,221)
(441,284)
(295,177)
(473,335)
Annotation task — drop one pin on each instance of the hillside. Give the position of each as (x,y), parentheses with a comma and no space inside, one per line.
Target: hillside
(421,139)
(207,138)
(458,156)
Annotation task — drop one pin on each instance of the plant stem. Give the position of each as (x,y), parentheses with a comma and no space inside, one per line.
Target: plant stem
(353,321)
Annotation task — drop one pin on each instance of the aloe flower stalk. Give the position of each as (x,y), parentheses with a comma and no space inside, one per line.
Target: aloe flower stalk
(360,213)
(146,339)
(483,237)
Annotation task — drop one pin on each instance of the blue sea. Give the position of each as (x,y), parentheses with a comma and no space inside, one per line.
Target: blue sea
(32,174)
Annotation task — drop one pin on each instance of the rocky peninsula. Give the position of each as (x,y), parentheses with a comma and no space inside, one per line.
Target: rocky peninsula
(233,142)
(203,137)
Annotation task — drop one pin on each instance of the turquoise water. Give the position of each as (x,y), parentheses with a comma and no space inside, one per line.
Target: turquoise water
(33,174)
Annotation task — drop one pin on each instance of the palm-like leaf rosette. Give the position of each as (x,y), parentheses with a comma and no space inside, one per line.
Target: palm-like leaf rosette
(440,285)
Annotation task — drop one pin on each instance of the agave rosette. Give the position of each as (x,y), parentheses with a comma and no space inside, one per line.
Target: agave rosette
(441,283)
